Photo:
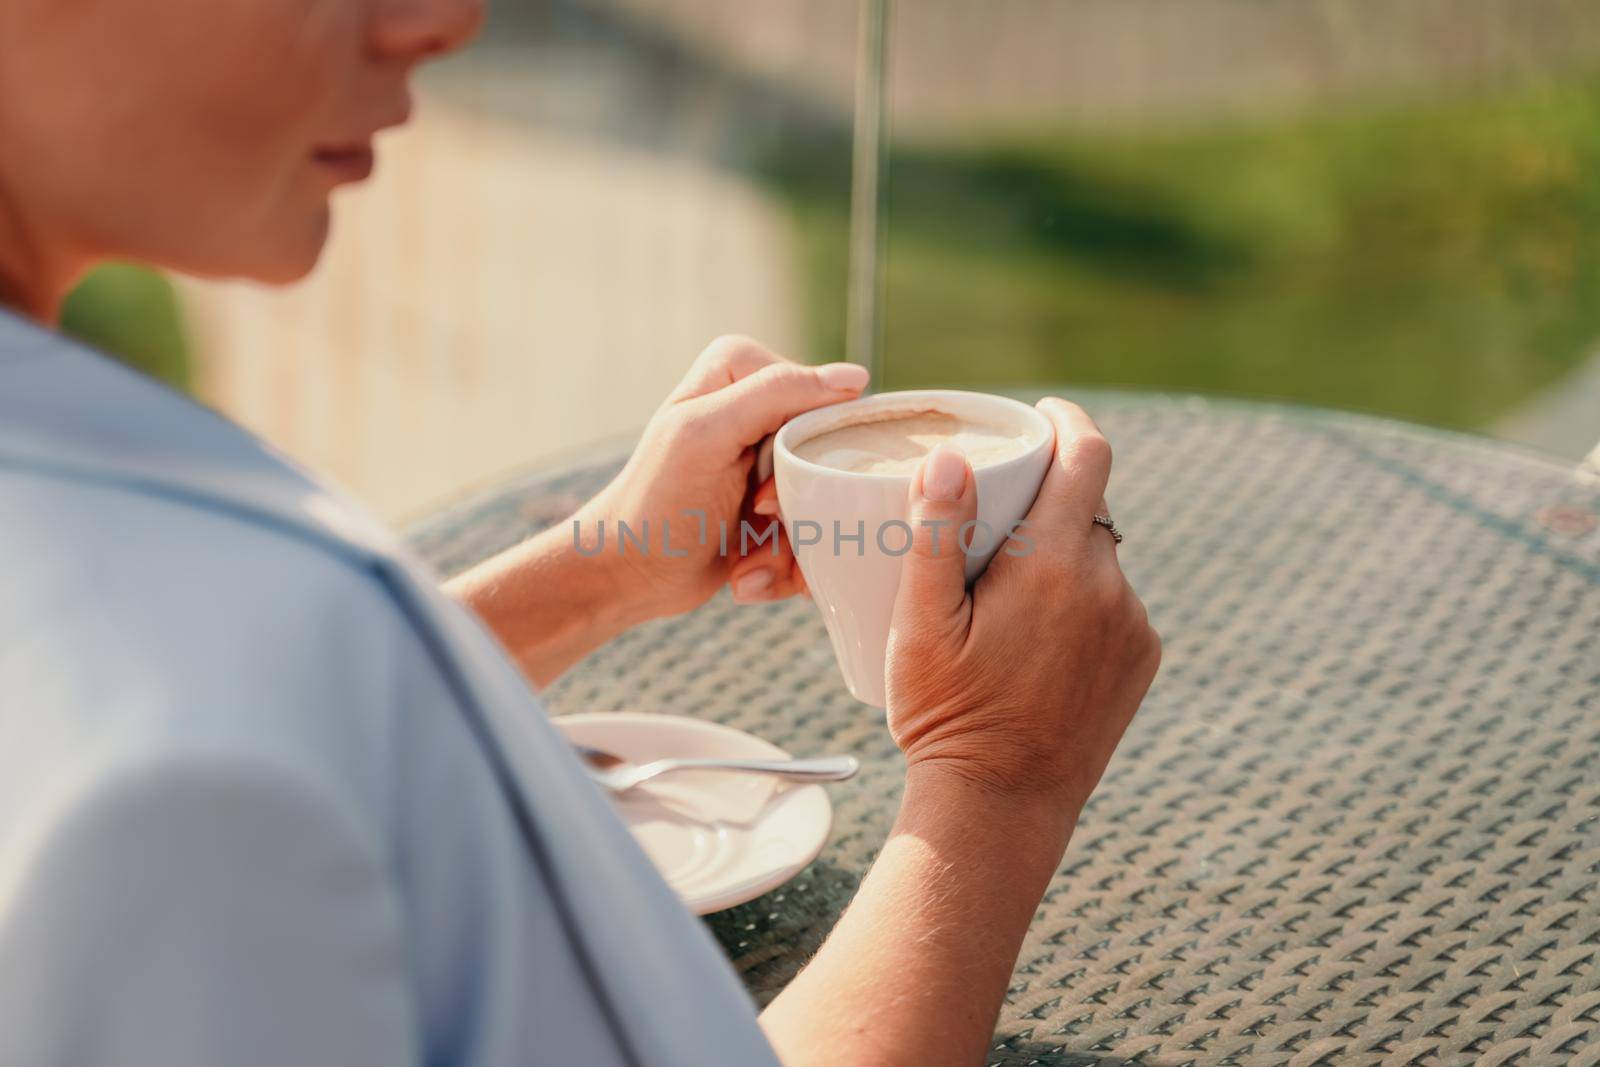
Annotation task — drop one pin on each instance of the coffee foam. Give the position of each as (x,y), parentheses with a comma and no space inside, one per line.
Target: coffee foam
(895,441)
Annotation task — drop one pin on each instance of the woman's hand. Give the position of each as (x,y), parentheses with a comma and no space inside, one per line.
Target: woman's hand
(556,597)
(1008,702)
(1025,684)
(690,479)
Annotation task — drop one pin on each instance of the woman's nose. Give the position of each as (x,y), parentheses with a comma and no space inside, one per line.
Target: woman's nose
(418,29)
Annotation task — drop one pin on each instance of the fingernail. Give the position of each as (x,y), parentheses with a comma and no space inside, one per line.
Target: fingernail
(843,376)
(767,505)
(944,474)
(752,584)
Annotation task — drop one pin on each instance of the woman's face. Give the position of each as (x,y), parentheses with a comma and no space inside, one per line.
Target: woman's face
(202,135)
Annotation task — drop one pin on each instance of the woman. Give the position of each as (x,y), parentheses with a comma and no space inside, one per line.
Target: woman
(271,797)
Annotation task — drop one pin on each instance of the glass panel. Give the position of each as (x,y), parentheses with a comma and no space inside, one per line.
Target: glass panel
(1392,208)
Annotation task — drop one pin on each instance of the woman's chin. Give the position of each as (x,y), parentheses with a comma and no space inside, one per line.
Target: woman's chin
(281,257)
(294,253)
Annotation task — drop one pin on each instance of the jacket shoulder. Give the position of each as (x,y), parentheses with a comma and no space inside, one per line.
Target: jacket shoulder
(200,908)
(151,625)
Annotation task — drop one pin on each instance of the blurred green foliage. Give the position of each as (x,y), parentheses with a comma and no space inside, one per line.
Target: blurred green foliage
(132,313)
(1436,261)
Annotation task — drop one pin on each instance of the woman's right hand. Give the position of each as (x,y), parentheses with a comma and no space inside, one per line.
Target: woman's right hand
(1025,684)
(1008,702)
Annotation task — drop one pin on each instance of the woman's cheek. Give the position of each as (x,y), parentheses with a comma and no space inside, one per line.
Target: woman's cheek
(288,76)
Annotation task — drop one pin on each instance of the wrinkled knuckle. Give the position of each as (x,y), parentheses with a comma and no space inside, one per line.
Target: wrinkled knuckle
(1138,617)
(922,547)
(731,348)
(916,639)
(1109,594)
(926,546)
(1064,405)
(936,636)
(1143,653)
(935,521)
(691,420)
(1091,450)
(776,376)
(792,374)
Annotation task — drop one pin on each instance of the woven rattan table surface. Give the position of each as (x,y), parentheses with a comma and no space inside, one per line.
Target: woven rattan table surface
(1358,818)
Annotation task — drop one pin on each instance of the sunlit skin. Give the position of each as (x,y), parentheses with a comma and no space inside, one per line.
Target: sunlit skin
(200,135)
(208,136)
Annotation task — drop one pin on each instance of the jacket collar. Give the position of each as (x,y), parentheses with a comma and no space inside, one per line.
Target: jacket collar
(71,412)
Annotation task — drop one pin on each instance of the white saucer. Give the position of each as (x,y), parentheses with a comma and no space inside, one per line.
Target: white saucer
(719,839)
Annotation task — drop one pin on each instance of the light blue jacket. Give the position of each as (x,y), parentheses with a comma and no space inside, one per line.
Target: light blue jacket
(267,797)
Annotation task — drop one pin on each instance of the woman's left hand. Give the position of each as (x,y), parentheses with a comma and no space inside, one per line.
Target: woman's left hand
(559,595)
(689,480)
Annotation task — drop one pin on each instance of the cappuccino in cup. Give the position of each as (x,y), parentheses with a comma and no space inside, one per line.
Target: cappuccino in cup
(896,442)
(844,476)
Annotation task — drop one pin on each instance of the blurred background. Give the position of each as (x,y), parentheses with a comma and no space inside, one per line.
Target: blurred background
(1370,205)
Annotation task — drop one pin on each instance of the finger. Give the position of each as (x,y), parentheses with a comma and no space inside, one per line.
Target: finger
(1076,481)
(755,584)
(793,582)
(933,575)
(767,573)
(724,361)
(790,580)
(761,584)
(764,501)
(759,403)
(1106,543)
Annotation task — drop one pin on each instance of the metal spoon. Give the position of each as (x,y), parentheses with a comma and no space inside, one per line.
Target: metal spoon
(618,775)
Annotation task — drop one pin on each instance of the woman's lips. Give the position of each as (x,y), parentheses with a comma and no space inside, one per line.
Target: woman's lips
(346,163)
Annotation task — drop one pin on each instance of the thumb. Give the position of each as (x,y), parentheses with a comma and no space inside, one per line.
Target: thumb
(759,403)
(933,578)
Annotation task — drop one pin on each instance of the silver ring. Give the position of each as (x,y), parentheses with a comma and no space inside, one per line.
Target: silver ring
(1111,527)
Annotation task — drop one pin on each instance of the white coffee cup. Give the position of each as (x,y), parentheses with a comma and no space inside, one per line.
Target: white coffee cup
(854,583)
